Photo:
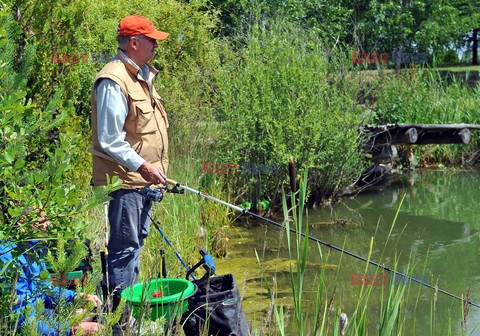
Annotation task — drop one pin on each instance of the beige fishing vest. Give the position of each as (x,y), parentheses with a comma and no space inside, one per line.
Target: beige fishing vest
(145,126)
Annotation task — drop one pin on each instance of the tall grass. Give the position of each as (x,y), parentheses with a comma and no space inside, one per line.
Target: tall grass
(189,221)
(315,315)
(423,96)
(301,252)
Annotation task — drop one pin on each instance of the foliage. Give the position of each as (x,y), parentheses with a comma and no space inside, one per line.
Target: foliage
(185,59)
(328,18)
(278,88)
(35,188)
(284,96)
(369,26)
(34,165)
(431,99)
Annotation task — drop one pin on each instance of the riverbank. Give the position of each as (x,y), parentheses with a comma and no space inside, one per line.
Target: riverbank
(435,236)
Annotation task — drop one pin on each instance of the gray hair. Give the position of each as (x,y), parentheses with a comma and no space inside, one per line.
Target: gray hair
(123,41)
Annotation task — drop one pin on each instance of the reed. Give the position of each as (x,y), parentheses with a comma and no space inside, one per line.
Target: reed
(398,303)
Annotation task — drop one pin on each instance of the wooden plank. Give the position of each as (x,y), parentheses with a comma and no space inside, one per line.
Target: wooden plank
(396,137)
(406,136)
(388,127)
(439,126)
(462,136)
(421,134)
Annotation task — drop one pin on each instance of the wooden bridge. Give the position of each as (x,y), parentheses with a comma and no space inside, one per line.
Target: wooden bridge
(383,137)
(382,141)
(421,134)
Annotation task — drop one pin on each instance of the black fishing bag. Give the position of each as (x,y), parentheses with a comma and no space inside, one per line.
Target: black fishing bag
(216,305)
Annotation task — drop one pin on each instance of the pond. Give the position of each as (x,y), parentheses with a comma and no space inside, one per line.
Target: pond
(436,233)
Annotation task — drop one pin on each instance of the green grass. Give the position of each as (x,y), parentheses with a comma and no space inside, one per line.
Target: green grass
(189,221)
(454,68)
(459,68)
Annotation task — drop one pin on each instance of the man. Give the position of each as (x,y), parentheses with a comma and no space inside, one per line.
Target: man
(24,263)
(129,124)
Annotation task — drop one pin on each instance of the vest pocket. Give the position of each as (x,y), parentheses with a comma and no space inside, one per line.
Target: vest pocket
(145,119)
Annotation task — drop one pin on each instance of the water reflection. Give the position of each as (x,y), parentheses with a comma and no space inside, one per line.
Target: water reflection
(438,225)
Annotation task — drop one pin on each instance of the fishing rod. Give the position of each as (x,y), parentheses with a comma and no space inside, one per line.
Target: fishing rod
(184,264)
(319,241)
(156,195)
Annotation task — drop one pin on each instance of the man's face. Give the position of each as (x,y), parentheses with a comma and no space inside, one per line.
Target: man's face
(143,49)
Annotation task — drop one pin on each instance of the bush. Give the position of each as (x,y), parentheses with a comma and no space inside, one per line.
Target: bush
(80,30)
(35,169)
(282,95)
(450,56)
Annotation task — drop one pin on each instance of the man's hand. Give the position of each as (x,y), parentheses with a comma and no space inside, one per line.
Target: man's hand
(91,298)
(151,173)
(41,223)
(88,328)
(94,299)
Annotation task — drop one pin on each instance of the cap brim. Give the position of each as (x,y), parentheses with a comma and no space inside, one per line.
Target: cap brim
(157,35)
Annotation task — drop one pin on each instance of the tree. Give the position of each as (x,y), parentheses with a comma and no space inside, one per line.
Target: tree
(430,26)
(470,23)
(475,46)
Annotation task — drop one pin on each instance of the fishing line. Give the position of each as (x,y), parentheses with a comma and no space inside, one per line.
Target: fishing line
(319,241)
(333,247)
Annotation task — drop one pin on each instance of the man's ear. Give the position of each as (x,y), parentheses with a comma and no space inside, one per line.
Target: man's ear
(133,43)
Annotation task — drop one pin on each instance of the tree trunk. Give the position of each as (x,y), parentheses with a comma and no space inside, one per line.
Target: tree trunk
(398,60)
(379,67)
(475,46)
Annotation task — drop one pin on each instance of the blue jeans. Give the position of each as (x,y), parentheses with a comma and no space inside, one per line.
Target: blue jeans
(129,225)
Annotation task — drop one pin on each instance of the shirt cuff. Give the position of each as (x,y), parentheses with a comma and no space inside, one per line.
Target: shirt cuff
(135,163)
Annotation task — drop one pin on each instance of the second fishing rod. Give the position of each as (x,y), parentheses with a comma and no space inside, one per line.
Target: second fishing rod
(319,241)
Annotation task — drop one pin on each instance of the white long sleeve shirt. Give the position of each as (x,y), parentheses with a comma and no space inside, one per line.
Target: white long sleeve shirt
(112,110)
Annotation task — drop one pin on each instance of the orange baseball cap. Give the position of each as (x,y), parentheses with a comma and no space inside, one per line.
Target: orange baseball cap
(139,25)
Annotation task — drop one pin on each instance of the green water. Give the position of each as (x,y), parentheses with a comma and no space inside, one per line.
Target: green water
(438,224)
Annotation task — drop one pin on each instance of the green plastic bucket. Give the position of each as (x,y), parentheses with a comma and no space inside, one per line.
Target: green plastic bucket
(166,297)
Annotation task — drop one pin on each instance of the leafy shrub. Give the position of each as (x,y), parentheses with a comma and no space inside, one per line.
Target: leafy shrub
(282,95)
(186,59)
(34,167)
